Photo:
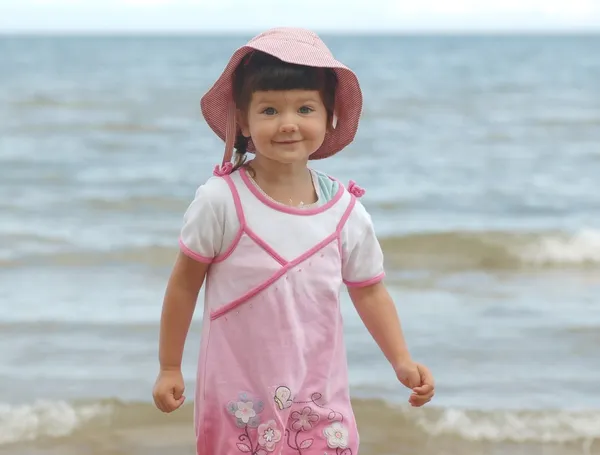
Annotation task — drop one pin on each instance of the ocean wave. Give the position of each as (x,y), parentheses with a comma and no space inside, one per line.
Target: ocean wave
(59,419)
(494,250)
(582,247)
(154,255)
(445,251)
(51,419)
(558,426)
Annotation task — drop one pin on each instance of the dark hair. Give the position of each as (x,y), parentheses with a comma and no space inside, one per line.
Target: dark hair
(259,71)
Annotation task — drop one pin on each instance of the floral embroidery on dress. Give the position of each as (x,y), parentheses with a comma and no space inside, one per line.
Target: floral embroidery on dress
(337,436)
(303,421)
(268,435)
(262,438)
(246,412)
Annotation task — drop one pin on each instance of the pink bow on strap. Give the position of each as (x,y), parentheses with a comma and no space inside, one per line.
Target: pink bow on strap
(356,190)
(222,170)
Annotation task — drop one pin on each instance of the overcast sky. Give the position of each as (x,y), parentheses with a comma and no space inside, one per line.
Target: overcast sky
(320,15)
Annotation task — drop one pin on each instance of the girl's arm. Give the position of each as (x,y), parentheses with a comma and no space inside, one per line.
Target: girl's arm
(378,312)
(179,303)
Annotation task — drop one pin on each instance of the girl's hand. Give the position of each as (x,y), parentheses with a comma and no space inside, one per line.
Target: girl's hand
(418,378)
(168,390)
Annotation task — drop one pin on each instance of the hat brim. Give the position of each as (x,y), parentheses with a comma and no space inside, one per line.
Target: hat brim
(348,100)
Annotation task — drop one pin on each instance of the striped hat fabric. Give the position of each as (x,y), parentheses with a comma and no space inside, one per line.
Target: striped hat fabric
(296,46)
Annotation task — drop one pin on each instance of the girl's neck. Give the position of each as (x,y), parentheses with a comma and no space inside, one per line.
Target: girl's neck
(289,184)
(274,173)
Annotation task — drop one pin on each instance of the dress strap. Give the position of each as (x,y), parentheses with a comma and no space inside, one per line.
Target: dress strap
(346,215)
(224,172)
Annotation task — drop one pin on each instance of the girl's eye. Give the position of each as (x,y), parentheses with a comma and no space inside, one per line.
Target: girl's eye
(269,111)
(306,110)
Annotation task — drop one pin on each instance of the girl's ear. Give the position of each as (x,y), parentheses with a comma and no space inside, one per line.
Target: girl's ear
(330,123)
(331,120)
(242,121)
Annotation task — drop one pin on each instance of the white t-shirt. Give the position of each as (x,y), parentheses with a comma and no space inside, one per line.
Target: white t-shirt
(211,225)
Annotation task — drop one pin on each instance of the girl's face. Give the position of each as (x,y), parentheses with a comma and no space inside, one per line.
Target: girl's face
(286,126)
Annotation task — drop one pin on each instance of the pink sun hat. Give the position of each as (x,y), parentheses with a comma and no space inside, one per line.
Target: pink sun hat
(292,45)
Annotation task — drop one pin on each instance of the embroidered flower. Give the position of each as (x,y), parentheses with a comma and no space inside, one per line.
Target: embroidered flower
(337,436)
(303,421)
(268,435)
(245,410)
(356,190)
(224,169)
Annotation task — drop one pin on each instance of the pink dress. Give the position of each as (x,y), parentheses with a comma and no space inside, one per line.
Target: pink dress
(272,373)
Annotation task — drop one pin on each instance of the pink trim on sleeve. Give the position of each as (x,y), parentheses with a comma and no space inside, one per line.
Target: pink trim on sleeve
(192,254)
(360,284)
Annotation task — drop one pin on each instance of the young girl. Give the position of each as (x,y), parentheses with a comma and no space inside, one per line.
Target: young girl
(275,241)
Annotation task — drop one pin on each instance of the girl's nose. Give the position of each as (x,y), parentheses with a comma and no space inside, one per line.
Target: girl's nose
(288,128)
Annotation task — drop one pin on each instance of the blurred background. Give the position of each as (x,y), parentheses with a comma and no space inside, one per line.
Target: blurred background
(479,149)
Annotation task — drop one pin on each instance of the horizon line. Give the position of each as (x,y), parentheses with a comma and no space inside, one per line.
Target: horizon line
(364,32)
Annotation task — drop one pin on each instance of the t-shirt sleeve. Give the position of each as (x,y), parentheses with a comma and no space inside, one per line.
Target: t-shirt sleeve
(362,261)
(201,236)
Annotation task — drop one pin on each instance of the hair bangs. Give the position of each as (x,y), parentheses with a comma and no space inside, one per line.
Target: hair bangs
(262,72)
(285,77)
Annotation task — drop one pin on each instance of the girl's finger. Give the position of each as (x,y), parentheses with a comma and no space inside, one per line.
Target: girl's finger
(420,400)
(426,376)
(172,403)
(160,405)
(423,390)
